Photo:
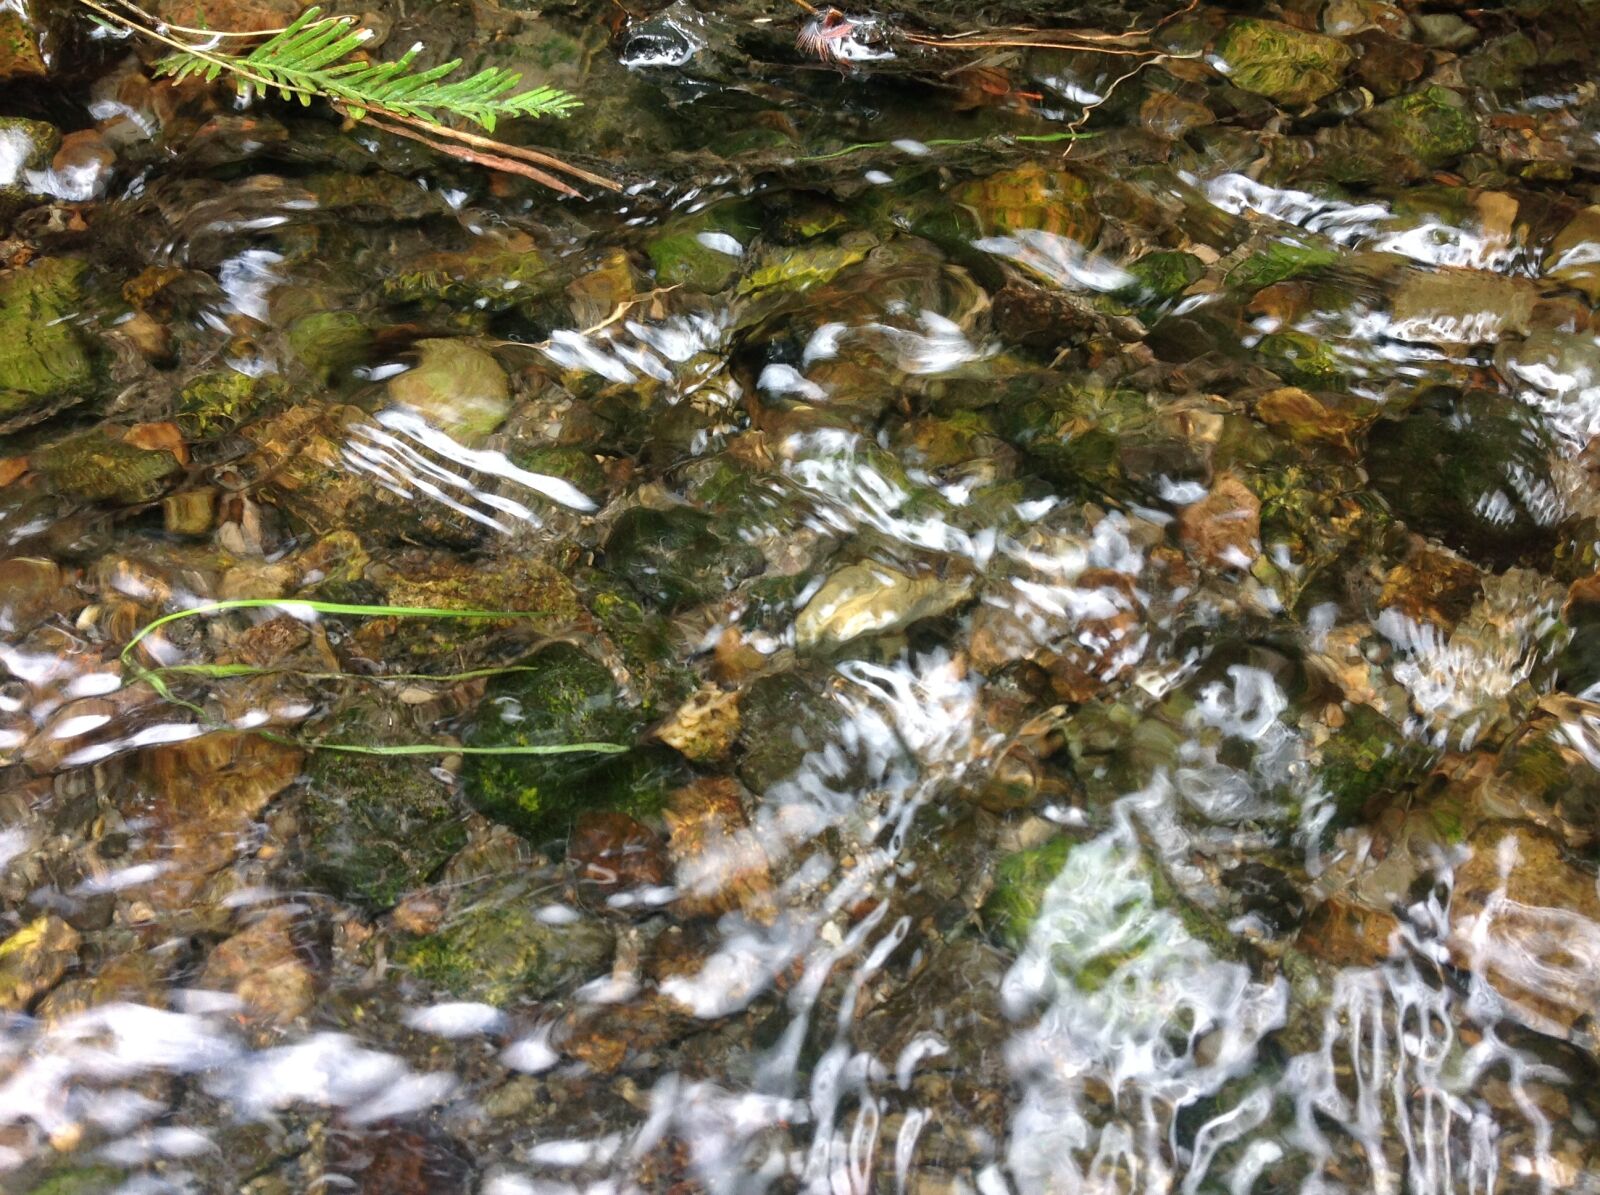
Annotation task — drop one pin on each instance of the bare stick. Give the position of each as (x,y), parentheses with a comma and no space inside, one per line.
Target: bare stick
(492,161)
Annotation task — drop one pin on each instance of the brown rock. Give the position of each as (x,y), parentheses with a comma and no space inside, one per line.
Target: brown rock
(1223,529)
(201,798)
(613,851)
(238,16)
(33,960)
(705,727)
(1347,933)
(718,862)
(263,967)
(1528,920)
(1432,584)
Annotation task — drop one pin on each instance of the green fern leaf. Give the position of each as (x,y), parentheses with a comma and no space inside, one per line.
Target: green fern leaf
(312,58)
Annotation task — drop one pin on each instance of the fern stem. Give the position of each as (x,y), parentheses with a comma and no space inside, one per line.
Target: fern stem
(493,161)
(500,148)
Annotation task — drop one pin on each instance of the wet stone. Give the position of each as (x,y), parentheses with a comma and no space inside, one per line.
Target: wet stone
(564,698)
(44,362)
(873,599)
(1292,66)
(456,386)
(497,949)
(34,959)
(673,558)
(374,826)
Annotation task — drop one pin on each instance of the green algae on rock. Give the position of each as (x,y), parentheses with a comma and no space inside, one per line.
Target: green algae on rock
(456,386)
(44,362)
(1019,884)
(218,401)
(499,951)
(96,467)
(1433,124)
(567,698)
(375,826)
(1289,65)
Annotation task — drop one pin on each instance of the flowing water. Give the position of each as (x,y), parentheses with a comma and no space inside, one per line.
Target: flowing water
(1084,555)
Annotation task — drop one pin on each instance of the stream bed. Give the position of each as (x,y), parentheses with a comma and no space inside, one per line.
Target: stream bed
(1072,532)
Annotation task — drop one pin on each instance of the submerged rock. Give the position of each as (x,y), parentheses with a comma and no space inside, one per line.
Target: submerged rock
(1281,62)
(1573,257)
(1434,124)
(673,558)
(44,363)
(498,950)
(98,468)
(457,387)
(564,697)
(872,599)
(34,959)
(374,826)
(1223,529)
(222,399)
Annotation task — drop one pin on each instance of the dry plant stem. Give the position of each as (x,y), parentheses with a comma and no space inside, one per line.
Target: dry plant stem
(498,148)
(492,161)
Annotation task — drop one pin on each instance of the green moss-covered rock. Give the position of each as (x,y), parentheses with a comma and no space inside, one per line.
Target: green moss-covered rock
(789,269)
(1433,124)
(1365,758)
(19,48)
(374,826)
(493,277)
(1279,262)
(327,343)
(1161,276)
(456,386)
(672,558)
(44,362)
(98,468)
(571,464)
(566,697)
(1281,62)
(1301,358)
(221,400)
(703,252)
(1019,884)
(499,952)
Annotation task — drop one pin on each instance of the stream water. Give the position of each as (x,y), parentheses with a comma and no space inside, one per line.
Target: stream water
(1081,561)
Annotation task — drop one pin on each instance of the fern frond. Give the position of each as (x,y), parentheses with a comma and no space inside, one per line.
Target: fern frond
(312,58)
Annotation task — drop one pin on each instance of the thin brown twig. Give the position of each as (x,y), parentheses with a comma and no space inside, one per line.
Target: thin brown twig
(492,161)
(499,148)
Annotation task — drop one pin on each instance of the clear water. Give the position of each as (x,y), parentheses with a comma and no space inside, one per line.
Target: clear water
(1103,629)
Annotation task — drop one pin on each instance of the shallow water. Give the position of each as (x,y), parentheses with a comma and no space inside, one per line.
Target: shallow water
(1095,612)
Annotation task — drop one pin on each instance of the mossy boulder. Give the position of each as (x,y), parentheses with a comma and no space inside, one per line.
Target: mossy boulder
(44,362)
(1433,124)
(327,343)
(1281,62)
(96,467)
(1301,359)
(498,951)
(703,252)
(673,559)
(220,400)
(564,697)
(374,826)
